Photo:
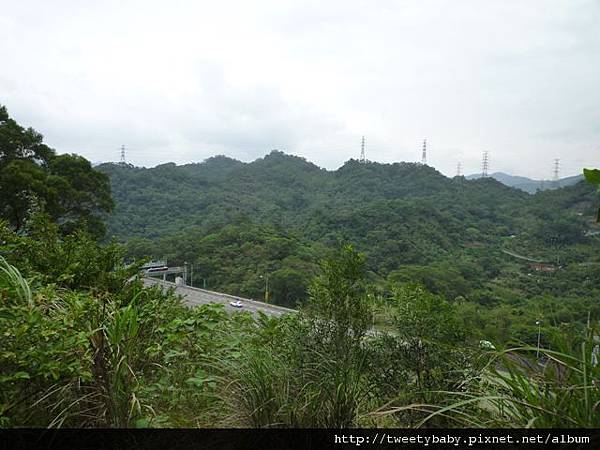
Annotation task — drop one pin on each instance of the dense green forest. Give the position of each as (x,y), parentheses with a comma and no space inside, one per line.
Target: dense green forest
(399,274)
(237,222)
(34,177)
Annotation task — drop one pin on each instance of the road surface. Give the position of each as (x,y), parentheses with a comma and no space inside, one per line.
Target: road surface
(516,255)
(194,296)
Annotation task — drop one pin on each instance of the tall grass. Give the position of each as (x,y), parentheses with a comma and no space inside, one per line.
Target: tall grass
(116,349)
(260,390)
(122,333)
(270,391)
(561,388)
(11,278)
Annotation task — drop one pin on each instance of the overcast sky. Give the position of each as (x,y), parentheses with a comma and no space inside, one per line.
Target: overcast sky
(184,80)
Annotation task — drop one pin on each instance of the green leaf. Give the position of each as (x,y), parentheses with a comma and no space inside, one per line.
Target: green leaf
(15,376)
(172,354)
(200,379)
(592,175)
(142,423)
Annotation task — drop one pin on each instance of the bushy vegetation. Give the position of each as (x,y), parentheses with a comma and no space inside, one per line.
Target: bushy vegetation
(34,177)
(105,351)
(86,348)
(238,223)
(524,387)
(396,335)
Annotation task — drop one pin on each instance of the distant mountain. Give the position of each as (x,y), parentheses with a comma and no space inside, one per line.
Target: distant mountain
(279,214)
(528,184)
(401,199)
(410,208)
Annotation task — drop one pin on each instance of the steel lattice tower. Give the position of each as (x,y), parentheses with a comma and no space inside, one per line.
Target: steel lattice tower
(362,150)
(123,161)
(459,169)
(424,154)
(485,164)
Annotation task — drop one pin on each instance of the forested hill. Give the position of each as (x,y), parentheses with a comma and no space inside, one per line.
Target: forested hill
(288,189)
(529,185)
(399,214)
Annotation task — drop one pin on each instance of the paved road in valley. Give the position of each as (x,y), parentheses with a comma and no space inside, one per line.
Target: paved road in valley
(516,255)
(195,296)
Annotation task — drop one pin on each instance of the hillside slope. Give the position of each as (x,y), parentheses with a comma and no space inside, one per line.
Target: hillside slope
(529,185)
(398,213)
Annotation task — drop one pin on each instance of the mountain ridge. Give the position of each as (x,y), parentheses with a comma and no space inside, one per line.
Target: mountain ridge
(528,184)
(293,190)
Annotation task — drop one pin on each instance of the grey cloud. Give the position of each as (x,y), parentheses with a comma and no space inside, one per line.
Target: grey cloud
(185,81)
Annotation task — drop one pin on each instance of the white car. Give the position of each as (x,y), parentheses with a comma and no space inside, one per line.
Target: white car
(236,304)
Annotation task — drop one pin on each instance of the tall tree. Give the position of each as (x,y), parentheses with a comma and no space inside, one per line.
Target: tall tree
(593,176)
(33,176)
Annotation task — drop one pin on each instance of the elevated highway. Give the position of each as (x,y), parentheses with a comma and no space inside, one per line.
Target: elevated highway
(525,258)
(195,296)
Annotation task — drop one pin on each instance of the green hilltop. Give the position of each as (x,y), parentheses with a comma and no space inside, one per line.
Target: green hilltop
(280,214)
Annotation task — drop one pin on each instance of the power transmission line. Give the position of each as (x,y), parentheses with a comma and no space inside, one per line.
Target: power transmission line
(485,164)
(122,161)
(362,150)
(555,174)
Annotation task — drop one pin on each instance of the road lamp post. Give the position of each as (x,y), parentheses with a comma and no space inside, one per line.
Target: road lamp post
(266,277)
(267,290)
(539,324)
